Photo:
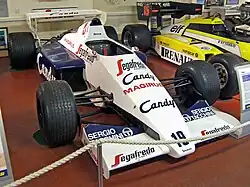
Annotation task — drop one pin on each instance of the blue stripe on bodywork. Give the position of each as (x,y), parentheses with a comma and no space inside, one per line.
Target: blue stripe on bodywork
(97,131)
(60,57)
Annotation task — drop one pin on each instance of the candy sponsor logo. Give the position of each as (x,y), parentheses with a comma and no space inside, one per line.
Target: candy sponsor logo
(43,70)
(147,106)
(129,78)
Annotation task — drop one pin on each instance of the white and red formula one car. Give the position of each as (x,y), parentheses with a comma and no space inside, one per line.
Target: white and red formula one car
(118,78)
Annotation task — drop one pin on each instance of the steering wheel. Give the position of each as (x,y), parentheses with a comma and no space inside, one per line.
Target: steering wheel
(215,15)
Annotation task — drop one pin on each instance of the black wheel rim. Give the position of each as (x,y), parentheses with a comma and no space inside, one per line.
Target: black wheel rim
(222,73)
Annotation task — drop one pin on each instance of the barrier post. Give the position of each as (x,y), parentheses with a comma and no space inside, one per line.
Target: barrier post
(99,158)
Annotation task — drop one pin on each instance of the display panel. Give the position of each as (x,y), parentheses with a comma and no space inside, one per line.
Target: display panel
(232,2)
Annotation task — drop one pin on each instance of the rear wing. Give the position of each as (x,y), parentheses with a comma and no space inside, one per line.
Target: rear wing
(58,15)
(145,10)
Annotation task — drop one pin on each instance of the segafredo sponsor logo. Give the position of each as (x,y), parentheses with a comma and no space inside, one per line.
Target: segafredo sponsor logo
(88,55)
(198,114)
(43,70)
(121,158)
(111,133)
(129,78)
(147,106)
(141,86)
(174,56)
(215,130)
(128,66)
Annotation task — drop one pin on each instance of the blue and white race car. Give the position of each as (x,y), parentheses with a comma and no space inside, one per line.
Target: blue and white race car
(116,77)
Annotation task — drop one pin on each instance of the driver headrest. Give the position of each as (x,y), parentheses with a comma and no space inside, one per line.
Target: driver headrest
(95,22)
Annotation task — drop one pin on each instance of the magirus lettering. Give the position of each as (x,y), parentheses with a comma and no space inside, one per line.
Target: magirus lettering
(146,107)
(129,78)
(133,156)
(175,56)
(141,86)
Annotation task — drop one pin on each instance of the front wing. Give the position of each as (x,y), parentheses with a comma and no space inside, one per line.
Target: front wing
(116,156)
(201,119)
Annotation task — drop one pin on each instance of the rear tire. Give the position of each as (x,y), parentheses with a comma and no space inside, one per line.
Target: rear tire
(57,114)
(229,24)
(22,50)
(205,81)
(111,32)
(137,35)
(224,64)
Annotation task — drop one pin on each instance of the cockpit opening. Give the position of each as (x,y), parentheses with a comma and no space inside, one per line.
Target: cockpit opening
(107,48)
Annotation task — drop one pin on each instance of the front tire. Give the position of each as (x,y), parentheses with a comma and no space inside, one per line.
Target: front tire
(224,65)
(205,83)
(229,24)
(57,113)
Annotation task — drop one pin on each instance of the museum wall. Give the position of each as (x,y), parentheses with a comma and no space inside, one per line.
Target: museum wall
(17,9)
(119,12)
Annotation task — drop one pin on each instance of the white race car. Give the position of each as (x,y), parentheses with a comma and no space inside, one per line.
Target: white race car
(118,78)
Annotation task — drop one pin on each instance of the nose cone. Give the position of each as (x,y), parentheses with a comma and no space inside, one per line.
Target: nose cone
(165,118)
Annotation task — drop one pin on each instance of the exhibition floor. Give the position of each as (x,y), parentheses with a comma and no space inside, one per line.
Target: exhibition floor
(224,163)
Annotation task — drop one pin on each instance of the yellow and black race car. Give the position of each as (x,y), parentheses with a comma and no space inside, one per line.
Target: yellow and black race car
(207,39)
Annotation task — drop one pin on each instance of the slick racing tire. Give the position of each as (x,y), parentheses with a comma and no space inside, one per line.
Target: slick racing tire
(22,50)
(205,83)
(111,32)
(229,24)
(224,65)
(57,113)
(137,35)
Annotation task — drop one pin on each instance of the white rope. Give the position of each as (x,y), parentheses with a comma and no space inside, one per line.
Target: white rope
(115,141)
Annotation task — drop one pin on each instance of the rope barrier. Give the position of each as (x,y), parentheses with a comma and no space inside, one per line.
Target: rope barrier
(115,141)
